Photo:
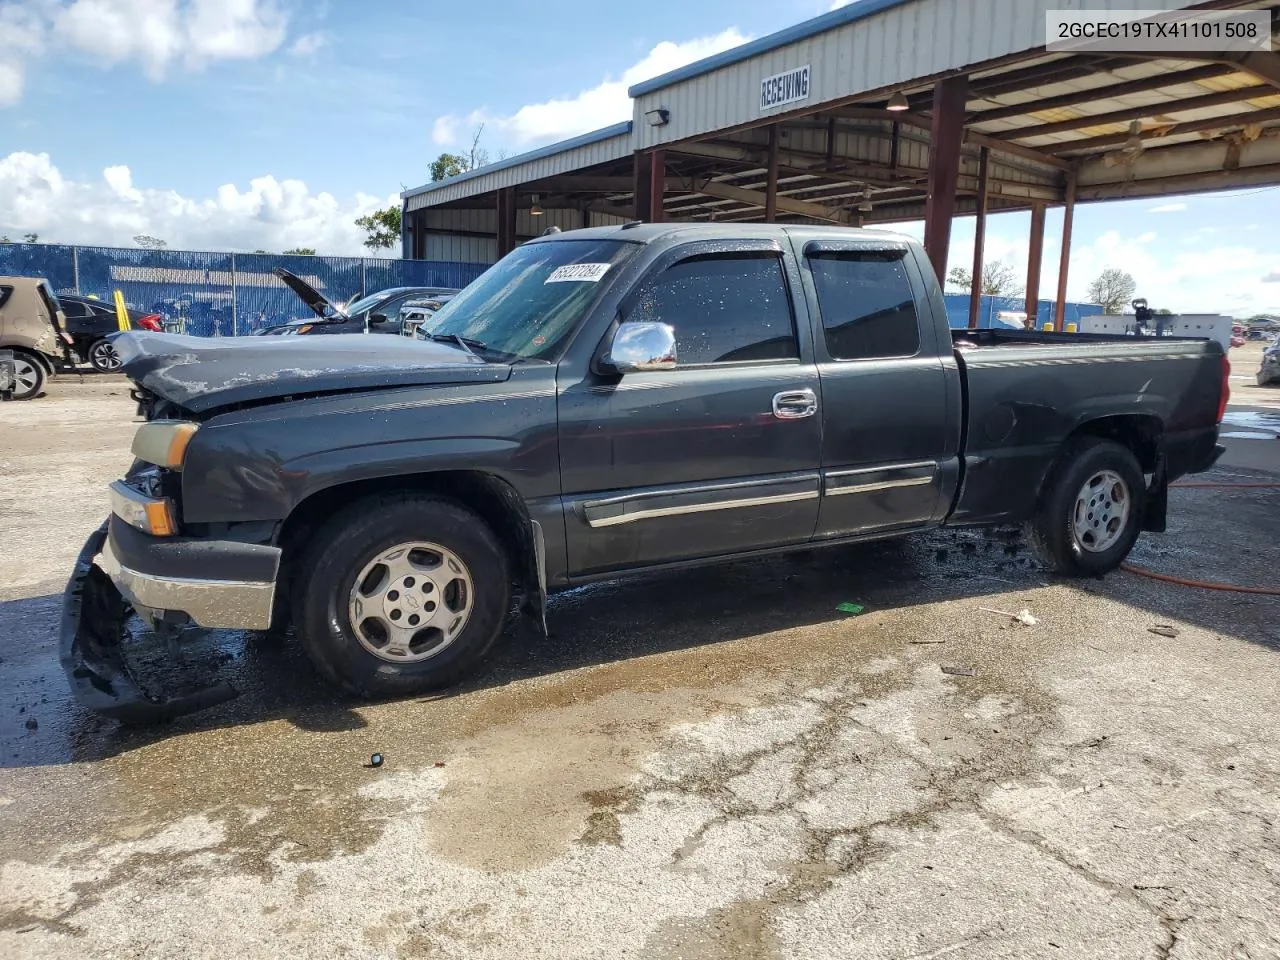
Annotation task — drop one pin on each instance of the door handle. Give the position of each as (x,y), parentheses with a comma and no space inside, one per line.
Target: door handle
(795,404)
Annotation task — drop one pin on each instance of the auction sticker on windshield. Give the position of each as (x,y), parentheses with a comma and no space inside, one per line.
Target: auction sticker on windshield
(588,272)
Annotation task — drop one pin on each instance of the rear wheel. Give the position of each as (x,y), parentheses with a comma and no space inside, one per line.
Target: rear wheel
(103,357)
(29,376)
(1089,517)
(400,596)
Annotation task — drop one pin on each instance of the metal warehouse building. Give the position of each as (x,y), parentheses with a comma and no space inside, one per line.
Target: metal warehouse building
(886,111)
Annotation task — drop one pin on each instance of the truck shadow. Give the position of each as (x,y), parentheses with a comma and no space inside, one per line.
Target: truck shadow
(617,621)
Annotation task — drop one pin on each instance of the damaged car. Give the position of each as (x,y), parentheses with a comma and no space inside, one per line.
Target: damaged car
(1269,370)
(601,403)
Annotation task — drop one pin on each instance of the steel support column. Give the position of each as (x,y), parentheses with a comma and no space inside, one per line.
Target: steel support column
(643,185)
(506,220)
(946,136)
(1035,257)
(1064,258)
(657,184)
(771,178)
(979,238)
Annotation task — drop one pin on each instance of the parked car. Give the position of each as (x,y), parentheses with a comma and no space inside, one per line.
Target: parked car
(600,403)
(32,330)
(377,313)
(416,311)
(1269,369)
(90,324)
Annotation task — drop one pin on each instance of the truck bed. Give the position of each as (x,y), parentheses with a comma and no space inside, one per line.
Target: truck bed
(1025,393)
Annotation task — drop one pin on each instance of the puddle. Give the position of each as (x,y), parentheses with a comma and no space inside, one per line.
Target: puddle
(1258,425)
(1250,435)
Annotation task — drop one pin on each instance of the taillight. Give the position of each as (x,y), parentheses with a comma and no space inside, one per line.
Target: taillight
(150,322)
(1226,388)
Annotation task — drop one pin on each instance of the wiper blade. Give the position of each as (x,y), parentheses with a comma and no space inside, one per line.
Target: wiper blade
(466,343)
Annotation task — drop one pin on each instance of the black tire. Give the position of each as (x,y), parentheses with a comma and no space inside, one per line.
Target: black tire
(1052,531)
(340,550)
(102,356)
(30,374)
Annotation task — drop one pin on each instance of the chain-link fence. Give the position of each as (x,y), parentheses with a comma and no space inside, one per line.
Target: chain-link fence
(219,294)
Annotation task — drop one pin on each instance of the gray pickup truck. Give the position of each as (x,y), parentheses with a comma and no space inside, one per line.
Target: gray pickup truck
(602,402)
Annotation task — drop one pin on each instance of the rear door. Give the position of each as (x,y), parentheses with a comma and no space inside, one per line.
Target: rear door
(717,455)
(890,435)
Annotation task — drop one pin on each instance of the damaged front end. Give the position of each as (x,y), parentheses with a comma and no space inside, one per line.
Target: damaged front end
(91,643)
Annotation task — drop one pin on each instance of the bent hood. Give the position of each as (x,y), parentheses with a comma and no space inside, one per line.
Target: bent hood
(313,298)
(200,374)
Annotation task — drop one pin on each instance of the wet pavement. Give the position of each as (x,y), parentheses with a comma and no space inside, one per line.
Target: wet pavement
(715,763)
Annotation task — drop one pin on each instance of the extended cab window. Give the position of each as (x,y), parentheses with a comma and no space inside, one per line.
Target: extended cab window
(725,308)
(868,310)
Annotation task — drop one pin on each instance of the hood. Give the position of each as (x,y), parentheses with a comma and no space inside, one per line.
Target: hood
(313,298)
(200,373)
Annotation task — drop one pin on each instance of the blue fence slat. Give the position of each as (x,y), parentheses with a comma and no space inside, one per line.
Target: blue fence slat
(990,308)
(219,294)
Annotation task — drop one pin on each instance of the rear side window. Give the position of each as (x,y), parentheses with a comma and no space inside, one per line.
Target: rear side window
(725,308)
(4,294)
(73,309)
(868,310)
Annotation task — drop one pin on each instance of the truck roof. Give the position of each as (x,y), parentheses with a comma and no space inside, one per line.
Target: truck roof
(640,232)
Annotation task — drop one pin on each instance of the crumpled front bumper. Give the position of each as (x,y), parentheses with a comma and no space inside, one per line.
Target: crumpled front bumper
(119,570)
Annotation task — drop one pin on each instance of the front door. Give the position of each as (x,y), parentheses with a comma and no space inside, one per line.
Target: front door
(890,394)
(716,455)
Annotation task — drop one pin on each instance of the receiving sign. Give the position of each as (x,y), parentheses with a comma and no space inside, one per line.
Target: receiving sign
(789,87)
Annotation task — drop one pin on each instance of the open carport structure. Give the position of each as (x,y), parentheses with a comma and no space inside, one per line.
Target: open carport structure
(886,111)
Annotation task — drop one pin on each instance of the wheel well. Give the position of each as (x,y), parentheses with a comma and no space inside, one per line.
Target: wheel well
(492,498)
(45,363)
(1143,435)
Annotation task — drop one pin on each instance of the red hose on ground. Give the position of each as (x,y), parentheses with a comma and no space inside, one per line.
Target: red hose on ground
(1203,584)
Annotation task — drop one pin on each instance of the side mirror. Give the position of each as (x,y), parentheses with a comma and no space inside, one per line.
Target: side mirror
(643,345)
(377,318)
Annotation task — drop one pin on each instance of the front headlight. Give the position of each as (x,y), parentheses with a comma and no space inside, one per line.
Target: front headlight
(164,442)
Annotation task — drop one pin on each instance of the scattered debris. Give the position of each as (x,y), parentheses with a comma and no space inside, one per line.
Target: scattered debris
(959,671)
(927,641)
(1022,616)
(32,723)
(439,763)
(851,608)
(1097,741)
(375,760)
(1163,630)
(28,928)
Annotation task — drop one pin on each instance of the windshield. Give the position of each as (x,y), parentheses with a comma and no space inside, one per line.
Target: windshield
(364,304)
(528,303)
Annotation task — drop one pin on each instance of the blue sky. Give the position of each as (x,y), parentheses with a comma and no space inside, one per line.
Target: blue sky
(240,124)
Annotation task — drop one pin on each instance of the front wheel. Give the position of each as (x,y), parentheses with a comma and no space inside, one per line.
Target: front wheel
(397,596)
(1090,515)
(103,357)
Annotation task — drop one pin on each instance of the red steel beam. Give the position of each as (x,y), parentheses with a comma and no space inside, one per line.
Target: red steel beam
(506,220)
(1064,257)
(946,137)
(1035,257)
(979,238)
(643,185)
(771,181)
(657,184)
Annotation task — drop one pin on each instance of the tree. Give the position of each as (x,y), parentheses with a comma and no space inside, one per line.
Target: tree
(998,279)
(301,252)
(448,165)
(149,243)
(382,228)
(451,164)
(1112,290)
(31,238)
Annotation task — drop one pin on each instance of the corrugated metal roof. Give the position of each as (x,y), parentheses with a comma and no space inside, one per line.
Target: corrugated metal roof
(801,31)
(558,151)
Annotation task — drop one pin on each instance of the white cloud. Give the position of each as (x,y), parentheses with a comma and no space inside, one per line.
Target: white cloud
(270,215)
(157,34)
(1271,277)
(1168,208)
(603,104)
(308,44)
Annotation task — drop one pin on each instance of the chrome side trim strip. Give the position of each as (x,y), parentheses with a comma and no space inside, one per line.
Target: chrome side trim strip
(878,485)
(596,516)
(879,478)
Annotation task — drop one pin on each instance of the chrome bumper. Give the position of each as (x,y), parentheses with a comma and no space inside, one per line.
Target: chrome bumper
(235,604)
